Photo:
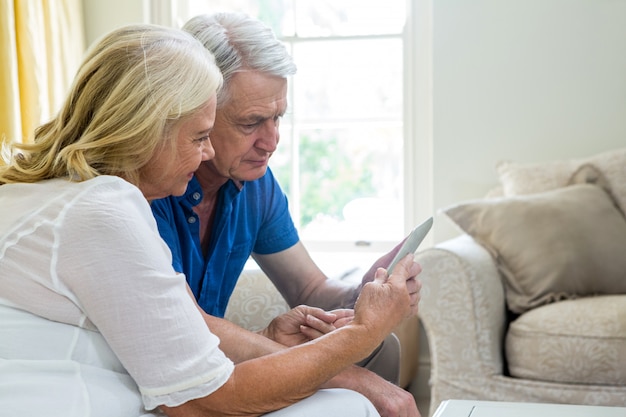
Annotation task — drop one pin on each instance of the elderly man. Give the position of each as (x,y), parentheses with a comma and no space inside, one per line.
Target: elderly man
(234,208)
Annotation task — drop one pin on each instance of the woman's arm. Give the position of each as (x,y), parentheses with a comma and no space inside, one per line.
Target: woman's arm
(286,376)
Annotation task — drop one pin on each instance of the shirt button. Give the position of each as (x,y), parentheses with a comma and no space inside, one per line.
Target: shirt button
(196,196)
(191,219)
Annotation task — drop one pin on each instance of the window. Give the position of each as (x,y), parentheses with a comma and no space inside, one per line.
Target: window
(343,148)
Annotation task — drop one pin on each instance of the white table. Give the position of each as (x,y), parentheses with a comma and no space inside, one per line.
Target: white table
(467,408)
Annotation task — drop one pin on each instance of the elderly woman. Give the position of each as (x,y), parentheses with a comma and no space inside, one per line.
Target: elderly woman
(93,318)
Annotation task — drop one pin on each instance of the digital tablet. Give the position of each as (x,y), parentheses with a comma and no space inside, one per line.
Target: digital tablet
(412,242)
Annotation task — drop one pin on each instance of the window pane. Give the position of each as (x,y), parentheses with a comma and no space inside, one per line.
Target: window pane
(277,14)
(314,18)
(349,79)
(310,18)
(350,181)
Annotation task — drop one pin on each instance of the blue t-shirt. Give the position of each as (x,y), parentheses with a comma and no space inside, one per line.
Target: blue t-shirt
(253,219)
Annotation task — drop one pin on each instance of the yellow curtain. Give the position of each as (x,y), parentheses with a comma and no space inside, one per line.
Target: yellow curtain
(41,46)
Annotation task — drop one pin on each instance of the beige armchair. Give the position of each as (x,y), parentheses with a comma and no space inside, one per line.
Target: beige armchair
(529,303)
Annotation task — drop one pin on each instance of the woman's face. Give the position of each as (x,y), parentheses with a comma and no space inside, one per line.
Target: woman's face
(168,174)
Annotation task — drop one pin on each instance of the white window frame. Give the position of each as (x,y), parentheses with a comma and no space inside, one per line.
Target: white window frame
(418,120)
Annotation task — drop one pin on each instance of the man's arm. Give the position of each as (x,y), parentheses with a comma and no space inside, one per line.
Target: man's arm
(389,399)
(301,281)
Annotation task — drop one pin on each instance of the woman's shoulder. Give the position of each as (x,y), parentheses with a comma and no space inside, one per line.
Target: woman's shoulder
(107,196)
(55,197)
(102,184)
(109,183)
(105,206)
(107,188)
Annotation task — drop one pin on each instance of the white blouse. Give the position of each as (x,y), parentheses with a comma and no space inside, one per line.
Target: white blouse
(93,318)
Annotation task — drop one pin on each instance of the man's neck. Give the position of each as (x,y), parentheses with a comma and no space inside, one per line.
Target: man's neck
(210,180)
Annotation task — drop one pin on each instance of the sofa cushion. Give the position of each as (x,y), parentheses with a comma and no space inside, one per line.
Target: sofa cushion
(550,246)
(529,178)
(579,341)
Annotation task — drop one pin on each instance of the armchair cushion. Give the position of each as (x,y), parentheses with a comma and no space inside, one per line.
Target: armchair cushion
(550,246)
(579,341)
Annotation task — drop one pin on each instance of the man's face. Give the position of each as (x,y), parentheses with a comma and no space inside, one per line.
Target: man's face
(246,127)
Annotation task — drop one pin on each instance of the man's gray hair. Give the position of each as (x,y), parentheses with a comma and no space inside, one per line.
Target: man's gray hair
(240,43)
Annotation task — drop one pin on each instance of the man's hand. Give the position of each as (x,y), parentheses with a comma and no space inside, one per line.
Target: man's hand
(412,283)
(389,399)
(303,323)
(382,262)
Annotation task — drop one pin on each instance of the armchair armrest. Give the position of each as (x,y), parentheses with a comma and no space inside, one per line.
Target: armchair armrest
(462,309)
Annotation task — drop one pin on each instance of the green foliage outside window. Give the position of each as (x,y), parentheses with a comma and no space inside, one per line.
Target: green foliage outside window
(329,178)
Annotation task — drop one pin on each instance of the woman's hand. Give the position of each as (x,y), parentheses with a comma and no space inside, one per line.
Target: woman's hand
(316,327)
(303,323)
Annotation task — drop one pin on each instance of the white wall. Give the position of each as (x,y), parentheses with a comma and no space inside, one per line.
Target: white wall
(526,80)
(103,16)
